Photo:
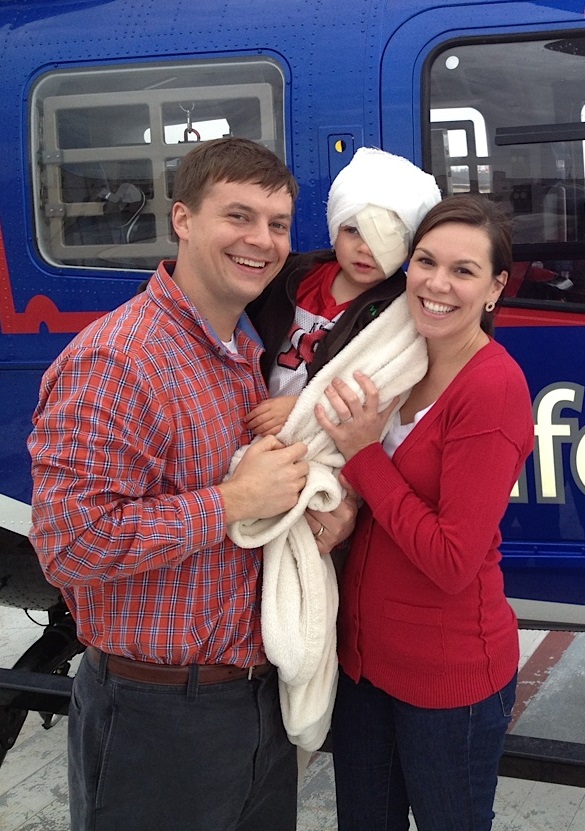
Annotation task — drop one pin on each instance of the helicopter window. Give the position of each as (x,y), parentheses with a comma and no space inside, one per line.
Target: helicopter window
(506,118)
(106,144)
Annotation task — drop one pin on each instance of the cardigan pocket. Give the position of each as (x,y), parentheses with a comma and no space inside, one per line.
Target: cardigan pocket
(414,636)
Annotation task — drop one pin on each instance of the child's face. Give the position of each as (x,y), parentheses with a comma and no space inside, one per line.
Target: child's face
(359,269)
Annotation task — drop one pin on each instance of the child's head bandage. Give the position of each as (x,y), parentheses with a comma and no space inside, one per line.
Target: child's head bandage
(385,235)
(376,179)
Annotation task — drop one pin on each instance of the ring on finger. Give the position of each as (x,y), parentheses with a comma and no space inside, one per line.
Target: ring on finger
(319,532)
(345,420)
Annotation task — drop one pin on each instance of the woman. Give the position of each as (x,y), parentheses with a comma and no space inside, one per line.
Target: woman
(428,645)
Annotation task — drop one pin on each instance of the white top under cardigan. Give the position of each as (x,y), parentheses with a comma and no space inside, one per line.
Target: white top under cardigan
(397,432)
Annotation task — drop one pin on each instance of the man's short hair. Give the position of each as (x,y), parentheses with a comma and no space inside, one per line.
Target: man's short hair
(230,160)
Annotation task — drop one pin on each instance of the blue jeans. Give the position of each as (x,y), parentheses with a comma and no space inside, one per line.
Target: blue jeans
(390,756)
(184,758)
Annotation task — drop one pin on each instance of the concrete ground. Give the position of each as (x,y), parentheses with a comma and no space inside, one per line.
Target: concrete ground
(33,779)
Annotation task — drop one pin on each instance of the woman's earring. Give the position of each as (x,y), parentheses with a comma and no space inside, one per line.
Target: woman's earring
(489,307)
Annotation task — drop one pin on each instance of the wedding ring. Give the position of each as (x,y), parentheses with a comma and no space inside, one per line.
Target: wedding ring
(345,420)
(319,532)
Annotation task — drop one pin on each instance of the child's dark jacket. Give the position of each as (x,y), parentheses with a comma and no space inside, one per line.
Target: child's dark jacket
(274,311)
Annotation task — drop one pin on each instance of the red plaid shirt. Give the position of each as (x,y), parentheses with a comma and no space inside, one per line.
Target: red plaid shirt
(137,422)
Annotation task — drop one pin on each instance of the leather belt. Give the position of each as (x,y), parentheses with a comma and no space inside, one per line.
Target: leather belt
(149,673)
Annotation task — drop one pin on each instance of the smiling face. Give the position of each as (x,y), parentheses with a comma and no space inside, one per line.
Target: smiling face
(450,279)
(231,247)
(359,269)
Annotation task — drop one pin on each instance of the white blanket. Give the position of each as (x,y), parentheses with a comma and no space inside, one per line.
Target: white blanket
(299,592)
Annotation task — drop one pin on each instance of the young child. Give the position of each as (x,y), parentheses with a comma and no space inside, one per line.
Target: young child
(322,299)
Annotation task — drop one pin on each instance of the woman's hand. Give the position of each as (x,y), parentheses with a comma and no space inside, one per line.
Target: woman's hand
(359,424)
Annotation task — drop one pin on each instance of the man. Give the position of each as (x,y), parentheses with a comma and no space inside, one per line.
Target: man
(174,718)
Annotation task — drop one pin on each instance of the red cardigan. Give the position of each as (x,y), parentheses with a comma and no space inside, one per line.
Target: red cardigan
(423,614)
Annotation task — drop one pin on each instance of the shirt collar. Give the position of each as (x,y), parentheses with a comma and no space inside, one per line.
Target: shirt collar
(166,293)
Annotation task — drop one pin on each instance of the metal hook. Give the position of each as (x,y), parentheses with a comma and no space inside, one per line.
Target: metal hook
(189,129)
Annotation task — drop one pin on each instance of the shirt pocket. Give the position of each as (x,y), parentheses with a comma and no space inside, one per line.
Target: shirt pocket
(414,636)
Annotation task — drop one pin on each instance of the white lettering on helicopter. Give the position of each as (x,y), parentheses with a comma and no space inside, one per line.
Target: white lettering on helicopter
(551,432)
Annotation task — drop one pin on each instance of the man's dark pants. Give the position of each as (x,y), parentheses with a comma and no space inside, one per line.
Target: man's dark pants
(180,758)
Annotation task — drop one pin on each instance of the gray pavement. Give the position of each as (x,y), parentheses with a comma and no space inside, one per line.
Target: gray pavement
(33,779)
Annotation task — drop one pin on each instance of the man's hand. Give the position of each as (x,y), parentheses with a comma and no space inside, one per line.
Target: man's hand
(267,481)
(337,525)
